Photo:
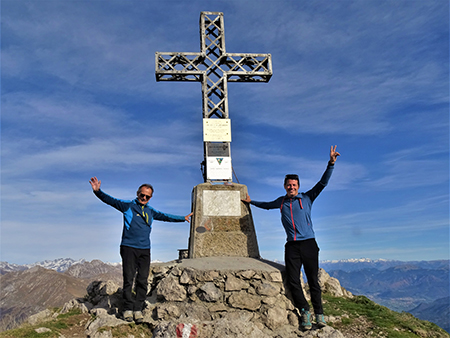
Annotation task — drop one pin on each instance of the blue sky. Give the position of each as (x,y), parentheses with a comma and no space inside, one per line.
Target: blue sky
(79,98)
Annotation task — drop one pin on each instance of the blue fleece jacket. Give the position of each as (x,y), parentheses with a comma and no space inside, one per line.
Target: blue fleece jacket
(137,220)
(296,211)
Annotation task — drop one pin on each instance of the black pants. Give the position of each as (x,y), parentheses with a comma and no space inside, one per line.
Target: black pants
(306,253)
(135,262)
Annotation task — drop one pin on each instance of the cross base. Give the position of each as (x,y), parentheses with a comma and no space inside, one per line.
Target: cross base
(222,225)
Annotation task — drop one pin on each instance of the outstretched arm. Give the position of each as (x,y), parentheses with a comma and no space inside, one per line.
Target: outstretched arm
(188,217)
(247,199)
(333,154)
(95,183)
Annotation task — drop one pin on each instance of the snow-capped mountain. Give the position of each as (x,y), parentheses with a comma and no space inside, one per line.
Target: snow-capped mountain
(6,267)
(356,260)
(60,265)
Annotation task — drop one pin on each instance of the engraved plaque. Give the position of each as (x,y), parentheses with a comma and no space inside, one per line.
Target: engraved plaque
(216,130)
(221,203)
(218,149)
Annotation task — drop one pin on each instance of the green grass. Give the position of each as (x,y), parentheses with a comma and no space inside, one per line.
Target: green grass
(379,318)
(62,322)
(72,320)
(69,314)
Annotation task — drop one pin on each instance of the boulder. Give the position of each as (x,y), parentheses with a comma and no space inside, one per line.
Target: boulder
(243,300)
(170,290)
(209,293)
(40,317)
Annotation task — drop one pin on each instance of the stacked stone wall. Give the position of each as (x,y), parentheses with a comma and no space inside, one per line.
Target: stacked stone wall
(210,295)
(231,303)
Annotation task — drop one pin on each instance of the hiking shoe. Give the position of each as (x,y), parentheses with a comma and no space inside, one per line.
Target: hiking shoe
(138,317)
(305,317)
(128,316)
(320,321)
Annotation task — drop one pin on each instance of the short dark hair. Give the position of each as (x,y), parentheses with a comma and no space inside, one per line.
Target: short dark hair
(145,185)
(291,177)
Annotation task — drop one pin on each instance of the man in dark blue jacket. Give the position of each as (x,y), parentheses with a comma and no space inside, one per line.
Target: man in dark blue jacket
(138,216)
(301,247)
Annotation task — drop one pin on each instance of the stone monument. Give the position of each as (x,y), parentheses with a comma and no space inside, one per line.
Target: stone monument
(221,225)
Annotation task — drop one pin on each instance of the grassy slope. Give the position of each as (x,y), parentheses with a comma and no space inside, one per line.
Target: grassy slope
(361,316)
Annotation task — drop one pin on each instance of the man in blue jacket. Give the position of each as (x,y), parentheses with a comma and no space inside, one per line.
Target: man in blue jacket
(301,247)
(138,216)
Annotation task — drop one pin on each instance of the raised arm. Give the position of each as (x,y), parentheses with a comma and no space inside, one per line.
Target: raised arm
(317,189)
(95,183)
(333,154)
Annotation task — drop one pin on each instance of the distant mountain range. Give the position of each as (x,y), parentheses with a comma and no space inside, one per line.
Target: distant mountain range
(60,265)
(436,312)
(400,288)
(29,289)
(349,265)
(417,287)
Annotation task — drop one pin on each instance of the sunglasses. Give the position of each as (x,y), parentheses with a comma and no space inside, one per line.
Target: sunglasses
(144,196)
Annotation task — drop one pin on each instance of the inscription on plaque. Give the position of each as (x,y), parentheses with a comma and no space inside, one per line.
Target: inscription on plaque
(221,203)
(218,149)
(216,130)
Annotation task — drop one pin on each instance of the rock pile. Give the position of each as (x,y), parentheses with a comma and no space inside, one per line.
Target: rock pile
(209,299)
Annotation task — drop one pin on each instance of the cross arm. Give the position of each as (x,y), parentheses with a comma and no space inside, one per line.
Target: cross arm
(247,67)
(179,66)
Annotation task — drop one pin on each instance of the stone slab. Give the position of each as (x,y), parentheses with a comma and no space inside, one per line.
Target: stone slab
(221,203)
(222,225)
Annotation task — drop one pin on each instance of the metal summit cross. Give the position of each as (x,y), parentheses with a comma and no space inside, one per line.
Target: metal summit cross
(221,224)
(214,68)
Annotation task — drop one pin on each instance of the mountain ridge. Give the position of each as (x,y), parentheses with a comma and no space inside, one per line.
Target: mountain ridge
(379,264)
(439,310)
(59,265)
(27,292)
(33,288)
(62,264)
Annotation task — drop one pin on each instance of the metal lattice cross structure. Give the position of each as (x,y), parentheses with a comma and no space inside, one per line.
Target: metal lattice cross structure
(213,67)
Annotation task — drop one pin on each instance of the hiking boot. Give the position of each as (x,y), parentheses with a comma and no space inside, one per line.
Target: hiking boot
(128,316)
(305,317)
(138,317)
(320,321)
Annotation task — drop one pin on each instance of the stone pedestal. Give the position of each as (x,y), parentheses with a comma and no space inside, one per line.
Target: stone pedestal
(222,225)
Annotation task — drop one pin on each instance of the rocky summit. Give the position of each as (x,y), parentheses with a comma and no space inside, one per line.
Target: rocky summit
(206,298)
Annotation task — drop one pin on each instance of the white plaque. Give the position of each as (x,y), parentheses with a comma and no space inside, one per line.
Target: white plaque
(216,130)
(221,203)
(218,168)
